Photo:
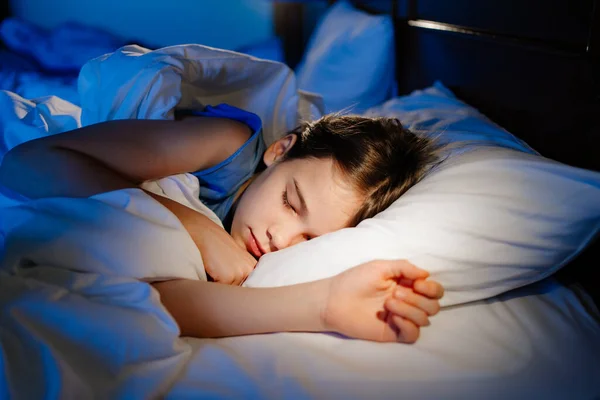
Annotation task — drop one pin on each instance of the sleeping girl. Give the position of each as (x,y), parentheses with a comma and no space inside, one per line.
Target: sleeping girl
(321,177)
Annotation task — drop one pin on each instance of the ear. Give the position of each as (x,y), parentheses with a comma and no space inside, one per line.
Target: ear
(278,149)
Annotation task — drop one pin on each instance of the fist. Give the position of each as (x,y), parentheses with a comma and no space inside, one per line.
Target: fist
(224,260)
(384,301)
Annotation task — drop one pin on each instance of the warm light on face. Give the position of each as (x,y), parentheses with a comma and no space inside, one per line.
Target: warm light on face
(291,202)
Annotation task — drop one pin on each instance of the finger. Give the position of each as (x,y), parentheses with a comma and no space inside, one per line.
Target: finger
(430,306)
(224,277)
(407,331)
(431,289)
(237,280)
(249,267)
(402,268)
(245,274)
(241,276)
(409,283)
(407,311)
(392,332)
(226,280)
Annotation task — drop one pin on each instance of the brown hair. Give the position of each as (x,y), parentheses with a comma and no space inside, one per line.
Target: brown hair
(381,158)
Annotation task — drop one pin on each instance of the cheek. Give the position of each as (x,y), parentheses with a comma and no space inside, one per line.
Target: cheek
(262,198)
(251,204)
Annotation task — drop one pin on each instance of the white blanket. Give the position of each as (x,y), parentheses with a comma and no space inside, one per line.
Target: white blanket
(135,82)
(122,233)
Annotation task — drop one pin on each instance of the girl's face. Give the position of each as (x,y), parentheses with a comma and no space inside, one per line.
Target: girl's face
(291,202)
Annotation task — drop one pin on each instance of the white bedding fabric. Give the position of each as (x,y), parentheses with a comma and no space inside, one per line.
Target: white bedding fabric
(121,233)
(76,320)
(69,334)
(539,342)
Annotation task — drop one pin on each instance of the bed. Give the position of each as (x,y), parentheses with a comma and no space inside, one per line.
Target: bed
(539,340)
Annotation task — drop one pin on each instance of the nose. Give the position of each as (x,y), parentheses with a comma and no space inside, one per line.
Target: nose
(281,238)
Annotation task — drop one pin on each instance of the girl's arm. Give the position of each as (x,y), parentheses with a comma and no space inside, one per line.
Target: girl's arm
(122,154)
(364,302)
(118,154)
(206,309)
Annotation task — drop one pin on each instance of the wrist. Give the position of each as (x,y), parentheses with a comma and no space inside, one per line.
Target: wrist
(305,308)
(198,226)
(322,299)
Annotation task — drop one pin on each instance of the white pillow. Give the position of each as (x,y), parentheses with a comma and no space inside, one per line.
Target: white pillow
(349,59)
(493,217)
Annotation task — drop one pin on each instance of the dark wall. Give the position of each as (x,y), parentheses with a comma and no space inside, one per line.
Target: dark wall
(4,10)
(531,66)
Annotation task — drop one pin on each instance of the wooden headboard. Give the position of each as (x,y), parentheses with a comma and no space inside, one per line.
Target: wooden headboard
(532,66)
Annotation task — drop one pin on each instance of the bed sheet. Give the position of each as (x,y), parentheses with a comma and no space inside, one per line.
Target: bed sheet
(541,341)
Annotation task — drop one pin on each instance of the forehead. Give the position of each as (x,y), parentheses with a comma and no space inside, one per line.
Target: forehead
(330,198)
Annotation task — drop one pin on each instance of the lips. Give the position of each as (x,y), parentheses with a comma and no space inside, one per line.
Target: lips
(253,246)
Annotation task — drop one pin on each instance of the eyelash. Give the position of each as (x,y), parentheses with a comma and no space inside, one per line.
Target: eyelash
(286,202)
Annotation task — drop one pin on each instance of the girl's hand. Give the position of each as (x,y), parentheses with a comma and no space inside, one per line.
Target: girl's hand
(368,302)
(224,260)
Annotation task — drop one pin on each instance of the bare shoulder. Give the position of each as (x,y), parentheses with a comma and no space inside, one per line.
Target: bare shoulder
(237,134)
(226,135)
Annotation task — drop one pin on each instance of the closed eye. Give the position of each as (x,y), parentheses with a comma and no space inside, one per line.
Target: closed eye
(286,202)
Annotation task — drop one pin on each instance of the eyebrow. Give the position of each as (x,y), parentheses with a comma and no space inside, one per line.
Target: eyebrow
(299,193)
